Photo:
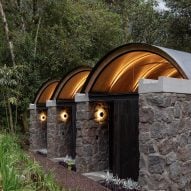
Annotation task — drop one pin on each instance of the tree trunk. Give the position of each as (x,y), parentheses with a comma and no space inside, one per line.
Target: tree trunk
(23,27)
(6,111)
(34,7)
(10,117)
(24,119)
(36,37)
(16,117)
(6,28)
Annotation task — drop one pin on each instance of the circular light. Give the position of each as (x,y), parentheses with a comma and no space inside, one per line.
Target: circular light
(64,116)
(100,114)
(43,117)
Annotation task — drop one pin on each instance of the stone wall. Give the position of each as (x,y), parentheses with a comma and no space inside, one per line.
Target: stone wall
(92,140)
(59,134)
(165,141)
(38,130)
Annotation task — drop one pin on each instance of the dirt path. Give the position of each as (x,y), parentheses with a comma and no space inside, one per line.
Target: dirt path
(66,178)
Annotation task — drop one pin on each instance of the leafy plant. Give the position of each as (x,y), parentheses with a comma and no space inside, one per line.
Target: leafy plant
(18,172)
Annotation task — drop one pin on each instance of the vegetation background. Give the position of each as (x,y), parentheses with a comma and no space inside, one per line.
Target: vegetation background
(42,39)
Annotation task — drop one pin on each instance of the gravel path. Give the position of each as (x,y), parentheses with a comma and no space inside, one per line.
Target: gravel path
(65,178)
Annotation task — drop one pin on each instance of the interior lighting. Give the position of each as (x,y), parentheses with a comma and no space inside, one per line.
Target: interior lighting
(43,117)
(64,116)
(100,114)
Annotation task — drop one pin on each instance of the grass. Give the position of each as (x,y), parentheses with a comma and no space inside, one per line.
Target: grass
(18,172)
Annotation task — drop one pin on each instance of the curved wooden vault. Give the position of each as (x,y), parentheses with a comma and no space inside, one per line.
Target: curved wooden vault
(121,69)
(46,91)
(71,84)
(64,89)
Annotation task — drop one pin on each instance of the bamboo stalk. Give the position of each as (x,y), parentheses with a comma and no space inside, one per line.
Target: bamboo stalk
(6,28)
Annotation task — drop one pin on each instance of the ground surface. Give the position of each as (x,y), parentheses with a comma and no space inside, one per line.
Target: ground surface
(66,178)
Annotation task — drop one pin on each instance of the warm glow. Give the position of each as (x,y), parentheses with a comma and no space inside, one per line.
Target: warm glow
(100,113)
(64,116)
(122,74)
(78,86)
(43,117)
(125,67)
(46,92)
(73,85)
(144,74)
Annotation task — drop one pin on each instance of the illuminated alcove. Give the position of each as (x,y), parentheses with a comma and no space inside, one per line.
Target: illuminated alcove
(63,140)
(124,66)
(45,92)
(114,82)
(38,116)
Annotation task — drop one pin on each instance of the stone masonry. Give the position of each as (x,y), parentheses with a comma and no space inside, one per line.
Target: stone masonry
(59,134)
(91,140)
(38,135)
(165,141)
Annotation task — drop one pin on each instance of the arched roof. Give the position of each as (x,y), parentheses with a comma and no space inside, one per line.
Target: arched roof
(46,91)
(121,69)
(71,84)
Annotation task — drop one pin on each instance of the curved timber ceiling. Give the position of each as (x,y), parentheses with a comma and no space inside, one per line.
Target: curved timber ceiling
(120,70)
(46,91)
(71,84)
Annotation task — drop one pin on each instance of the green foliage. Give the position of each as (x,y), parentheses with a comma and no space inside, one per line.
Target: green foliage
(79,33)
(179,24)
(18,172)
(141,21)
(51,37)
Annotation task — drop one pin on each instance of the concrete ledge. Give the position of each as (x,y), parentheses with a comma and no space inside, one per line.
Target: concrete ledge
(32,106)
(81,97)
(165,84)
(51,103)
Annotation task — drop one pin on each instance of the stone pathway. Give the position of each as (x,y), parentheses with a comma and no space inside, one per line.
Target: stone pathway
(96,176)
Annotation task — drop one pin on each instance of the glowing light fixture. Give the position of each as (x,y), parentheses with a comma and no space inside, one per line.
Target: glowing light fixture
(43,117)
(64,116)
(100,114)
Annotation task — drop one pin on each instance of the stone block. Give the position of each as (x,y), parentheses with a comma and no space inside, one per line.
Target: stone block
(143,162)
(158,130)
(178,110)
(82,115)
(144,137)
(175,171)
(156,164)
(146,114)
(166,146)
(160,100)
(183,154)
(171,157)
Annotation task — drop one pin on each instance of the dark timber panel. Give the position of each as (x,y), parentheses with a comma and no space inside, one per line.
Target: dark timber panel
(125,149)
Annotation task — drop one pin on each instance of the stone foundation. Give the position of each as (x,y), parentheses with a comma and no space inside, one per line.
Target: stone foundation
(38,130)
(165,141)
(92,140)
(59,133)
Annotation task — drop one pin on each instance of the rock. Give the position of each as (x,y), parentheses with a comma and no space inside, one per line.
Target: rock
(177,110)
(183,140)
(146,115)
(162,100)
(170,158)
(158,130)
(183,153)
(165,146)
(175,171)
(189,137)
(156,164)
(144,136)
